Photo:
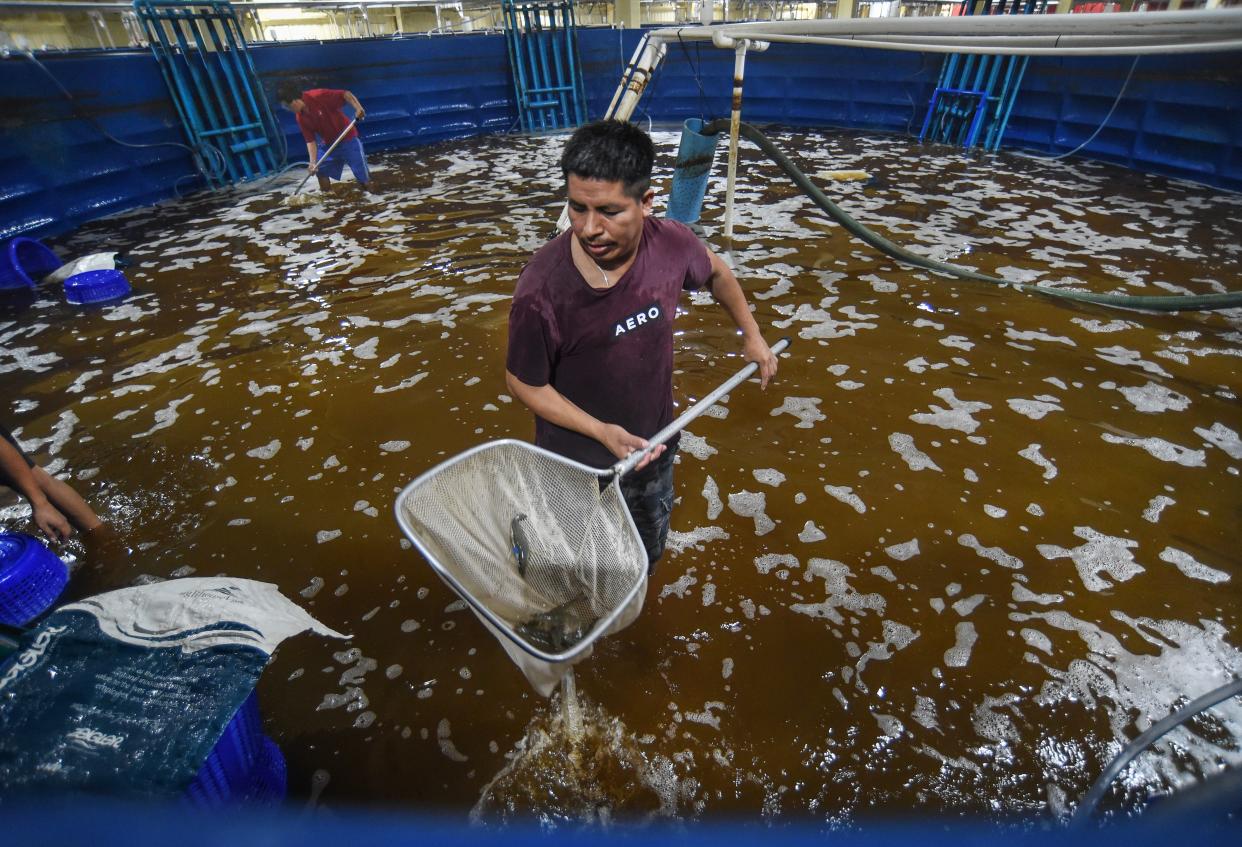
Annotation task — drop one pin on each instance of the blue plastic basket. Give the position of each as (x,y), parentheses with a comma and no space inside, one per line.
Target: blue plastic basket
(31,578)
(96,286)
(245,766)
(24,262)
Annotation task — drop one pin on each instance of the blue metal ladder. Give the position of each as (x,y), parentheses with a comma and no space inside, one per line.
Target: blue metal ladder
(967,108)
(202,54)
(543,54)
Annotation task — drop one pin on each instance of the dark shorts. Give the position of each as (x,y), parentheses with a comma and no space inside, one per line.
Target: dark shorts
(350,153)
(8,436)
(649,496)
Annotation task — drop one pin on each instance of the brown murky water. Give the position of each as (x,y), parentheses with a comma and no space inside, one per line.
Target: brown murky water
(967,542)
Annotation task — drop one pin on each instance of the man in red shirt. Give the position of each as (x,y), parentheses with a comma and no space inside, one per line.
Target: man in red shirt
(321,120)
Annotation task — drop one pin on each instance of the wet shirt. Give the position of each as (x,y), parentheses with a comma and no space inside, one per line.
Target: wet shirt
(323,116)
(610,350)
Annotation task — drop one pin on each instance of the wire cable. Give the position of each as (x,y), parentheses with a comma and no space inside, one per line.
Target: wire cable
(1171,303)
(1092,799)
(1098,129)
(217,168)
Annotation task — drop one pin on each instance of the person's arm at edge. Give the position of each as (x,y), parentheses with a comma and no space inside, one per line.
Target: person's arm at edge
(728,293)
(359,112)
(312,153)
(48,517)
(554,407)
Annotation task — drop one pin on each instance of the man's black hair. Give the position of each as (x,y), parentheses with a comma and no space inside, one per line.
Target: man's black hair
(288,90)
(611,150)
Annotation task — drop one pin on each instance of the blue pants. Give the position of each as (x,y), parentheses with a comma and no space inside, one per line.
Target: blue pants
(649,496)
(348,152)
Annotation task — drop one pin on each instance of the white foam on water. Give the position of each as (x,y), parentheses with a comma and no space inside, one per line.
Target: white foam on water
(394,446)
(726,668)
(1130,358)
(257,390)
(805,409)
(679,586)
(265,452)
(1022,594)
(678,542)
(696,446)
(769,476)
(1035,409)
(444,739)
(915,459)
(1153,398)
(958,655)
(811,533)
(1034,335)
(894,638)
(165,417)
(956,417)
(1101,554)
(1098,326)
(846,495)
(958,342)
(752,504)
(884,572)
(1222,437)
(766,563)
(839,593)
(1031,454)
(1157,505)
(903,552)
(408,382)
(850,385)
(1035,638)
(967,605)
(994,554)
(1165,451)
(711,493)
(326,535)
(994,511)
(1191,567)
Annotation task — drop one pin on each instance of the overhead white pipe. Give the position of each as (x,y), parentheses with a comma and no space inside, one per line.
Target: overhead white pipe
(1201,21)
(1094,47)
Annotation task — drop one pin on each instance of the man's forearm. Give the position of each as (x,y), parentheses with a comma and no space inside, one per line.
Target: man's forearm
(554,407)
(728,293)
(16,469)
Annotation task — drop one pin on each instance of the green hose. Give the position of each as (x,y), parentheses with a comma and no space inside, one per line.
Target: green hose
(1169,303)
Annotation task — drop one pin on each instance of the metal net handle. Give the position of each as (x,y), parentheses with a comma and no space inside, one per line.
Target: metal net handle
(627,464)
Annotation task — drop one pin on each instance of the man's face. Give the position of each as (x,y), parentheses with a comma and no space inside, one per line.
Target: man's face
(607,222)
(296,105)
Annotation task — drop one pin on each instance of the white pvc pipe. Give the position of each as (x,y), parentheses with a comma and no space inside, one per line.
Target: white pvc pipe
(1201,22)
(735,120)
(986,47)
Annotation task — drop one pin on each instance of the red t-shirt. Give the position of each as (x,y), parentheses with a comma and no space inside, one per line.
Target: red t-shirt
(323,116)
(610,351)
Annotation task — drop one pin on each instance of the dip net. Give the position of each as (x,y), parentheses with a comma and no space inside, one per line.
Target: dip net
(542,548)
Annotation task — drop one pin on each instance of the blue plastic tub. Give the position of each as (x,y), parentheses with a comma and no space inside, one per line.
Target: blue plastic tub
(31,578)
(24,262)
(96,286)
(245,766)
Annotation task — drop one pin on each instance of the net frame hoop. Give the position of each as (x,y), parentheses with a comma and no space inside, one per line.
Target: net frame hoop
(481,609)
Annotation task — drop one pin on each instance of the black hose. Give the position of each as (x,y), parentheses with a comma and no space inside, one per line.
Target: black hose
(1083,813)
(1163,303)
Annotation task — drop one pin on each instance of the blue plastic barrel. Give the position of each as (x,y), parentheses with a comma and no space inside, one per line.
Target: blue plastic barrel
(96,286)
(31,578)
(24,262)
(694,166)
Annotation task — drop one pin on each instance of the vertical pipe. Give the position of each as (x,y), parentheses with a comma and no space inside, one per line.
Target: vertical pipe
(225,65)
(735,119)
(189,121)
(200,87)
(557,36)
(228,24)
(571,30)
(627,75)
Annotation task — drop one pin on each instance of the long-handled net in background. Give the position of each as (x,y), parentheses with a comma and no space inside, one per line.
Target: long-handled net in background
(541,547)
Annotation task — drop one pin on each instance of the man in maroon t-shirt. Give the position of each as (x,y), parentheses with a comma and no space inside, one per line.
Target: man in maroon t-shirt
(319,116)
(591,325)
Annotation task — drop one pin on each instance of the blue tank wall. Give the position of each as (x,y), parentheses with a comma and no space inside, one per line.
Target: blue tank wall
(1181,116)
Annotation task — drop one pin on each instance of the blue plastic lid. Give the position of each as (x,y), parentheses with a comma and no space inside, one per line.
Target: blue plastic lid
(96,286)
(25,262)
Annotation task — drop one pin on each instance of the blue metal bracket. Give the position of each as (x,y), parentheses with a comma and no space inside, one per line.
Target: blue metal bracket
(202,55)
(543,55)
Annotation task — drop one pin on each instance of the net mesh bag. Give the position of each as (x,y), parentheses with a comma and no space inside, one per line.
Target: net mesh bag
(541,547)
